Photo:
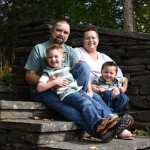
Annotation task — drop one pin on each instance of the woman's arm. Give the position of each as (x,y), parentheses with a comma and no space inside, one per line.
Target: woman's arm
(89,90)
(124,85)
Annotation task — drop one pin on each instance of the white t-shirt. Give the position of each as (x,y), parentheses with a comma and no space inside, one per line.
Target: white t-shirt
(95,66)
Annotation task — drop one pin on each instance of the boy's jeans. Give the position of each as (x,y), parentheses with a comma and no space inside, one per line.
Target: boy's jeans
(116,104)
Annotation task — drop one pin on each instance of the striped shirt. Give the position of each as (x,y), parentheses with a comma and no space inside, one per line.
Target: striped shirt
(118,81)
(63,71)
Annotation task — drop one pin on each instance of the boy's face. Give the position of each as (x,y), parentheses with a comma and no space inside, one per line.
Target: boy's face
(109,73)
(55,58)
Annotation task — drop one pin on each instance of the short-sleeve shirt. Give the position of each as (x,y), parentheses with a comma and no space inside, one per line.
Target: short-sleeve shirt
(37,58)
(63,71)
(118,81)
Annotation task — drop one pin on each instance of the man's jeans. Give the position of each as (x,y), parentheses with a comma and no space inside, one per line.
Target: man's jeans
(81,73)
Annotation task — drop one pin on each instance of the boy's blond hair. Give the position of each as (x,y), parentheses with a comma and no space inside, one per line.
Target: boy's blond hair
(56,46)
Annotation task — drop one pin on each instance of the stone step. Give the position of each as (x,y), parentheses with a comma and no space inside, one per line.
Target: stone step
(37,132)
(24,110)
(27,110)
(30,134)
(138,143)
(115,144)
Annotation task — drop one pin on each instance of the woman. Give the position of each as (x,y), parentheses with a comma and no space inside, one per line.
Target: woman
(95,60)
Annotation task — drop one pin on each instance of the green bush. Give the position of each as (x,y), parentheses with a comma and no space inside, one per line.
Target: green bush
(6,75)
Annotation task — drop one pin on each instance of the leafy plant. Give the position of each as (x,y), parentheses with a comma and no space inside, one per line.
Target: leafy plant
(145,132)
(6,75)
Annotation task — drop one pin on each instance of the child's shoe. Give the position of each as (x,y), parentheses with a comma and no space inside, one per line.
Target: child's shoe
(124,122)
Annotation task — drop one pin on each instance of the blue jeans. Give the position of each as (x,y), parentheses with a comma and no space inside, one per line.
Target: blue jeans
(81,73)
(103,109)
(84,103)
(115,104)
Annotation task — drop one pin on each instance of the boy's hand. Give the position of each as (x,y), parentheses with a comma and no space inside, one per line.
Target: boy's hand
(60,82)
(53,77)
(95,88)
(115,92)
(101,89)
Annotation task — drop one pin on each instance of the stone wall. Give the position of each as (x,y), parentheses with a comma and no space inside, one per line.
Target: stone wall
(131,51)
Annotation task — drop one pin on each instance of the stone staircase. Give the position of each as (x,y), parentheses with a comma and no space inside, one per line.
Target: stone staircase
(26,125)
(31,123)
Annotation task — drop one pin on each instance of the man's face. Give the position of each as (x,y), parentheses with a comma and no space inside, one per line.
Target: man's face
(60,33)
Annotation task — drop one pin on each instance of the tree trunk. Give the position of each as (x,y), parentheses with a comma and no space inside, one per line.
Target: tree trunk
(149,15)
(0,60)
(128,13)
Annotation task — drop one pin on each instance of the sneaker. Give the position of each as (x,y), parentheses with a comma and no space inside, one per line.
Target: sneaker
(108,136)
(104,124)
(124,123)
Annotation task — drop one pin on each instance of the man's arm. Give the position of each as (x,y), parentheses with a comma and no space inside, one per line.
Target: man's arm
(31,77)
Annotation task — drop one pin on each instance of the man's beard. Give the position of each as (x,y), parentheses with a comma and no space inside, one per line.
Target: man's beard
(58,41)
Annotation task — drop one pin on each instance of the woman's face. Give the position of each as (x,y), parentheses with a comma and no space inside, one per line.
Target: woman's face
(90,41)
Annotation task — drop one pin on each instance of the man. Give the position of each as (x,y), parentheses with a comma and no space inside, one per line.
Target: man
(80,71)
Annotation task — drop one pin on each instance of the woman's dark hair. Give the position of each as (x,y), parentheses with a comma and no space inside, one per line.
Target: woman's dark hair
(92,28)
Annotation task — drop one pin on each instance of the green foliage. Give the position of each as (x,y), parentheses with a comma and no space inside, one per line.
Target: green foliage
(6,75)
(93,12)
(101,13)
(145,132)
(104,13)
(142,18)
